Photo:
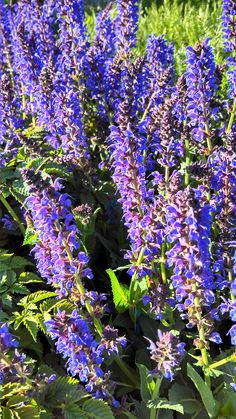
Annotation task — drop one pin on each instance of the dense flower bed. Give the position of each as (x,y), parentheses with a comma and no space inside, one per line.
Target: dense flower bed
(118,218)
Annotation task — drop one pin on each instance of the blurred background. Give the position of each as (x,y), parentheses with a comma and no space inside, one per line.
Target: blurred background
(184,22)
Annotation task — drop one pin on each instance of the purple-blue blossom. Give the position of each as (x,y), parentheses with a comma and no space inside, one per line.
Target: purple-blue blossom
(58,236)
(167,353)
(201,84)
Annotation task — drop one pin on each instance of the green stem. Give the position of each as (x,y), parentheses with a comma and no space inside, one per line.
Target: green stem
(187,163)
(202,337)
(155,395)
(148,107)
(12,213)
(231,118)
(23,102)
(81,289)
(162,263)
(127,372)
(231,358)
(167,174)
(132,286)
(230,278)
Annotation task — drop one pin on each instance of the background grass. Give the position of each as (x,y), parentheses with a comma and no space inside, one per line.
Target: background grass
(183,22)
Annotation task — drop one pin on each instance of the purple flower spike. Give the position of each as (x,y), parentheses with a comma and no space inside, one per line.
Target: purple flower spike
(167,352)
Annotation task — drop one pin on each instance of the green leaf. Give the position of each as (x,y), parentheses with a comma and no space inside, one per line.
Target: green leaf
(19,187)
(30,236)
(15,400)
(205,392)
(119,291)
(10,262)
(183,395)
(7,414)
(73,411)
(62,388)
(36,297)
(20,289)
(227,401)
(28,412)
(10,389)
(98,408)
(147,383)
(29,278)
(31,325)
(165,404)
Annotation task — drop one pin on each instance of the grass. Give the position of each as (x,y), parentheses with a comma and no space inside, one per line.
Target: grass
(183,23)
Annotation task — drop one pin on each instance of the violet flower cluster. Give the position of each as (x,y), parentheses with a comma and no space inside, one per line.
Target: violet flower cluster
(167,148)
(61,261)
(167,353)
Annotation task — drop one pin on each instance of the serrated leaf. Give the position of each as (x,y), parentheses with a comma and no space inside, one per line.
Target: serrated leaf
(73,411)
(20,289)
(29,278)
(31,325)
(205,392)
(10,262)
(28,412)
(30,236)
(15,400)
(20,188)
(98,408)
(41,322)
(10,389)
(165,404)
(61,388)
(120,293)
(7,300)
(36,297)
(37,163)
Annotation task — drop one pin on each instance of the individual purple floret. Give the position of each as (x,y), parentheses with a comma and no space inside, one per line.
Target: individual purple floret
(201,84)
(7,340)
(167,352)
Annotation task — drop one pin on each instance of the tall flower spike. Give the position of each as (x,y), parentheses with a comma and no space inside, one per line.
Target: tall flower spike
(228,24)
(72,40)
(158,70)
(57,235)
(75,341)
(229,35)
(201,84)
(167,352)
(126,24)
(188,230)
(10,120)
(99,57)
